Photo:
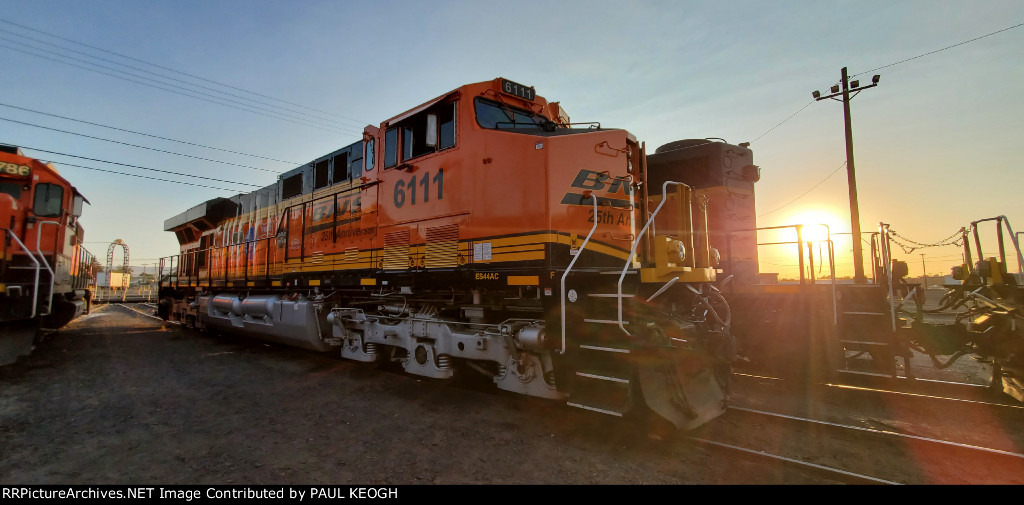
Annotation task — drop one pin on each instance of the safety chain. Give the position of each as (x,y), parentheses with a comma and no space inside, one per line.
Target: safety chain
(955,239)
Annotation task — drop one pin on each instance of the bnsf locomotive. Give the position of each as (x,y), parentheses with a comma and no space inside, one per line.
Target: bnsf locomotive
(44,270)
(479,232)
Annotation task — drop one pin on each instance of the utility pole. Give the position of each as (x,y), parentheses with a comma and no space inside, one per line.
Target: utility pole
(843,89)
(924,274)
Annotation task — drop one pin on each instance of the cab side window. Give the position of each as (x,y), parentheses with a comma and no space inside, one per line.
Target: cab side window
(48,200)
(423,133)
(446,125)
(369,154)
(391,147)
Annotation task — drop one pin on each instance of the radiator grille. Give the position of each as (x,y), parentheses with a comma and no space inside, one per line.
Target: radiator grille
(396,250)
(442,249)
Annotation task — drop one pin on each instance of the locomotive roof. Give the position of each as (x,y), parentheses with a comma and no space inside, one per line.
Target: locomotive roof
(213,210)
(14,153)
(493,86)
(210,210)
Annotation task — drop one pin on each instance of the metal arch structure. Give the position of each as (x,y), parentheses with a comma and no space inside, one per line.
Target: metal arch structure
(110,264)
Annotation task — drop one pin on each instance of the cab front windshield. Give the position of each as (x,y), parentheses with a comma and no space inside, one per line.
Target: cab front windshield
(11,188)
(496,115)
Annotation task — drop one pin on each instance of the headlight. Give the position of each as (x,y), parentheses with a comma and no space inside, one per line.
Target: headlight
(677,253)
(716,257)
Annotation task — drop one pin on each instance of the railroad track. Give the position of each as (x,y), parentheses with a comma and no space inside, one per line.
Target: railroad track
(924,394)
(901,385)
(855,454)
(835,474)
(859,435)
(147,311)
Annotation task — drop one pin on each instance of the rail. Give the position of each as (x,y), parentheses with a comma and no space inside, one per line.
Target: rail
(569,269)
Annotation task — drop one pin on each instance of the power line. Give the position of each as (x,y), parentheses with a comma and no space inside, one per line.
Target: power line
(887,66)
(139,167)
(783,121)
(806,192)
(147,134)
(162,76)
(144,177)
(862,73)
(134,145)
(331,129)
(313,121)
(938,50)
(175,71)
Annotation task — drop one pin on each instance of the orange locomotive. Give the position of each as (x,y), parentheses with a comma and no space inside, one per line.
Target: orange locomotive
(44,270)
(481,231)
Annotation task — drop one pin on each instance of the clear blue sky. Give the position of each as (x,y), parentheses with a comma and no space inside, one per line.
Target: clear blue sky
(937,142)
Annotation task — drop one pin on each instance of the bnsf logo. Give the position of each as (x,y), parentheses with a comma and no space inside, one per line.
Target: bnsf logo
(599,182)
(14,169)
(595,181)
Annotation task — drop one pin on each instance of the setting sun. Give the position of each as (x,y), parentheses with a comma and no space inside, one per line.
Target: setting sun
(819,224)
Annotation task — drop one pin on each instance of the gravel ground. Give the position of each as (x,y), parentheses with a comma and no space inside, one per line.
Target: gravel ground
(119,397)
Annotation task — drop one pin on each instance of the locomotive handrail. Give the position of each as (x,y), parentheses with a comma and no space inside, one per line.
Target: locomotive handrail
(800,241)
(83,271)
(883,230)
(573,262)
(224,270)
(1016,239)
(632,252)
(800,251)
(999,235)
(35,287)
(53,276)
